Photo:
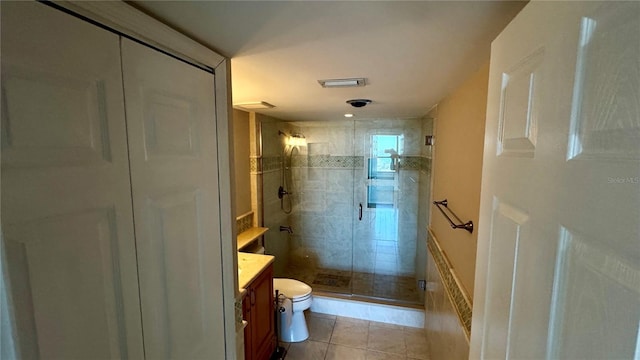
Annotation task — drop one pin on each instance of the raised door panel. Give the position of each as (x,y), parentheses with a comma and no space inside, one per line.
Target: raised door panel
(520,97)
(509,230)
(170,124)
(172,145)
(65,272)
(174,268)
(606,96)
(66,199)
(76,137)
(596,296)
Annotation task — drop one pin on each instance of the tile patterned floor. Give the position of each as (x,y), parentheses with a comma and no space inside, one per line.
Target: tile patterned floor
(401,288)
(342,338)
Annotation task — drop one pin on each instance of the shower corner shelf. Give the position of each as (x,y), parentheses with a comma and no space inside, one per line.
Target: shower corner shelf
(249,236)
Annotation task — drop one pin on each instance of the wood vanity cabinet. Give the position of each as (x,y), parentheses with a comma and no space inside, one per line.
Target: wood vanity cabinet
(259,335)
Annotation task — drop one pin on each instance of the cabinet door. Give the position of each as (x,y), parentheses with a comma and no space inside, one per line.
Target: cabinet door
(174,176)
(262,315)
(69,252)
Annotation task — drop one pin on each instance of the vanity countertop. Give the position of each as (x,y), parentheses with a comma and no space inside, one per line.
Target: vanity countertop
(250,266)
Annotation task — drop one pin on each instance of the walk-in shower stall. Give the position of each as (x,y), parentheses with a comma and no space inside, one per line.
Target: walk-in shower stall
(355,196)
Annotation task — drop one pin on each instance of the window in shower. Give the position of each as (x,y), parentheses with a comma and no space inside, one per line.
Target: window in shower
(382,170)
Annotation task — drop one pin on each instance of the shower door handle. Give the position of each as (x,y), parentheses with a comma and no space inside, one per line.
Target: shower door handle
(360,213)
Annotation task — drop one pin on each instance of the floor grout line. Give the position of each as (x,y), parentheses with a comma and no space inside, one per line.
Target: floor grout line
(338,348)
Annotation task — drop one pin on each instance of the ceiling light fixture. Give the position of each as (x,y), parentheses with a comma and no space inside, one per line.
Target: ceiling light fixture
(358,103)
(348,115)
(340,83)
(256,105)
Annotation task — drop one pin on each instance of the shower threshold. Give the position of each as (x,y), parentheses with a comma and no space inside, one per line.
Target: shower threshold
(370,299)
(365,309)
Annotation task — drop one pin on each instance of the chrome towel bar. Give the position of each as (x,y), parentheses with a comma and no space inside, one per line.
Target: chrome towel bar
(467,226)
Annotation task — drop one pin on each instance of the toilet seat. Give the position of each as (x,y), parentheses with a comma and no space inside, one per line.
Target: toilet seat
(296,290)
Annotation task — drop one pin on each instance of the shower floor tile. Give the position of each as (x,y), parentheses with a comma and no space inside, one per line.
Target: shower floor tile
(339,281)
(392,287)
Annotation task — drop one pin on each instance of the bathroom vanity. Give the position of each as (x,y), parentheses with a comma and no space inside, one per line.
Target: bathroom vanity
(255,275)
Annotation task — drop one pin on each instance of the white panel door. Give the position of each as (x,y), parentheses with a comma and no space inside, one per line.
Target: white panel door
(66,199)
(558,263)
(172,143)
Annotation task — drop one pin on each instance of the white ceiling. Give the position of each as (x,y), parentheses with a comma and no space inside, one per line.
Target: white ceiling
(412,53)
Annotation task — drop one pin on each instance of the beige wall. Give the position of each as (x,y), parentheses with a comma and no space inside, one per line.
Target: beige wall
(445,337)
(457,170)
(241,161)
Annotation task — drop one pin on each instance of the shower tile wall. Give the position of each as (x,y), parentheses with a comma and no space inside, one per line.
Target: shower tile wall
(445,337)
(379,253)
(323,197)
(276,243)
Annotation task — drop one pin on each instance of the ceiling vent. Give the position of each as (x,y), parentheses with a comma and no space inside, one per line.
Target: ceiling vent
(358,103)
(256,105)
(341,83)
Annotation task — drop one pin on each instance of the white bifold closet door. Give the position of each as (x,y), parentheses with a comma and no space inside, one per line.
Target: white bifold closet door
(69,252)
(110,211)
(172,144)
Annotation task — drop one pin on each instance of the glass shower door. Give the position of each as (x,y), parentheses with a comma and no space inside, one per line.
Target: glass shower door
(354,192)
(322,217)
(386,199)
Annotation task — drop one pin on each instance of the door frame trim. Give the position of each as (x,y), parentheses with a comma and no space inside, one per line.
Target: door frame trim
(137,25)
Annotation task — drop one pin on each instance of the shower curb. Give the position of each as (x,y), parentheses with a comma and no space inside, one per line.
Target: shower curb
(390,314)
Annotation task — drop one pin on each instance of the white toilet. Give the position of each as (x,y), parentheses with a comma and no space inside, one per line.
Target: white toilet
(293,325)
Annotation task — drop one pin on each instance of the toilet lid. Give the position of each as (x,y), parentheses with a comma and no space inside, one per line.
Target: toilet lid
(291,288)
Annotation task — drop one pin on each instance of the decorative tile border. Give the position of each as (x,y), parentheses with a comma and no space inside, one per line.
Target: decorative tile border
(354,162)
(238,312)
(457,294)
(328,162)
(244,222)
(410,162)
(300,161)
(255,165)
(258,165)
(270,163)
